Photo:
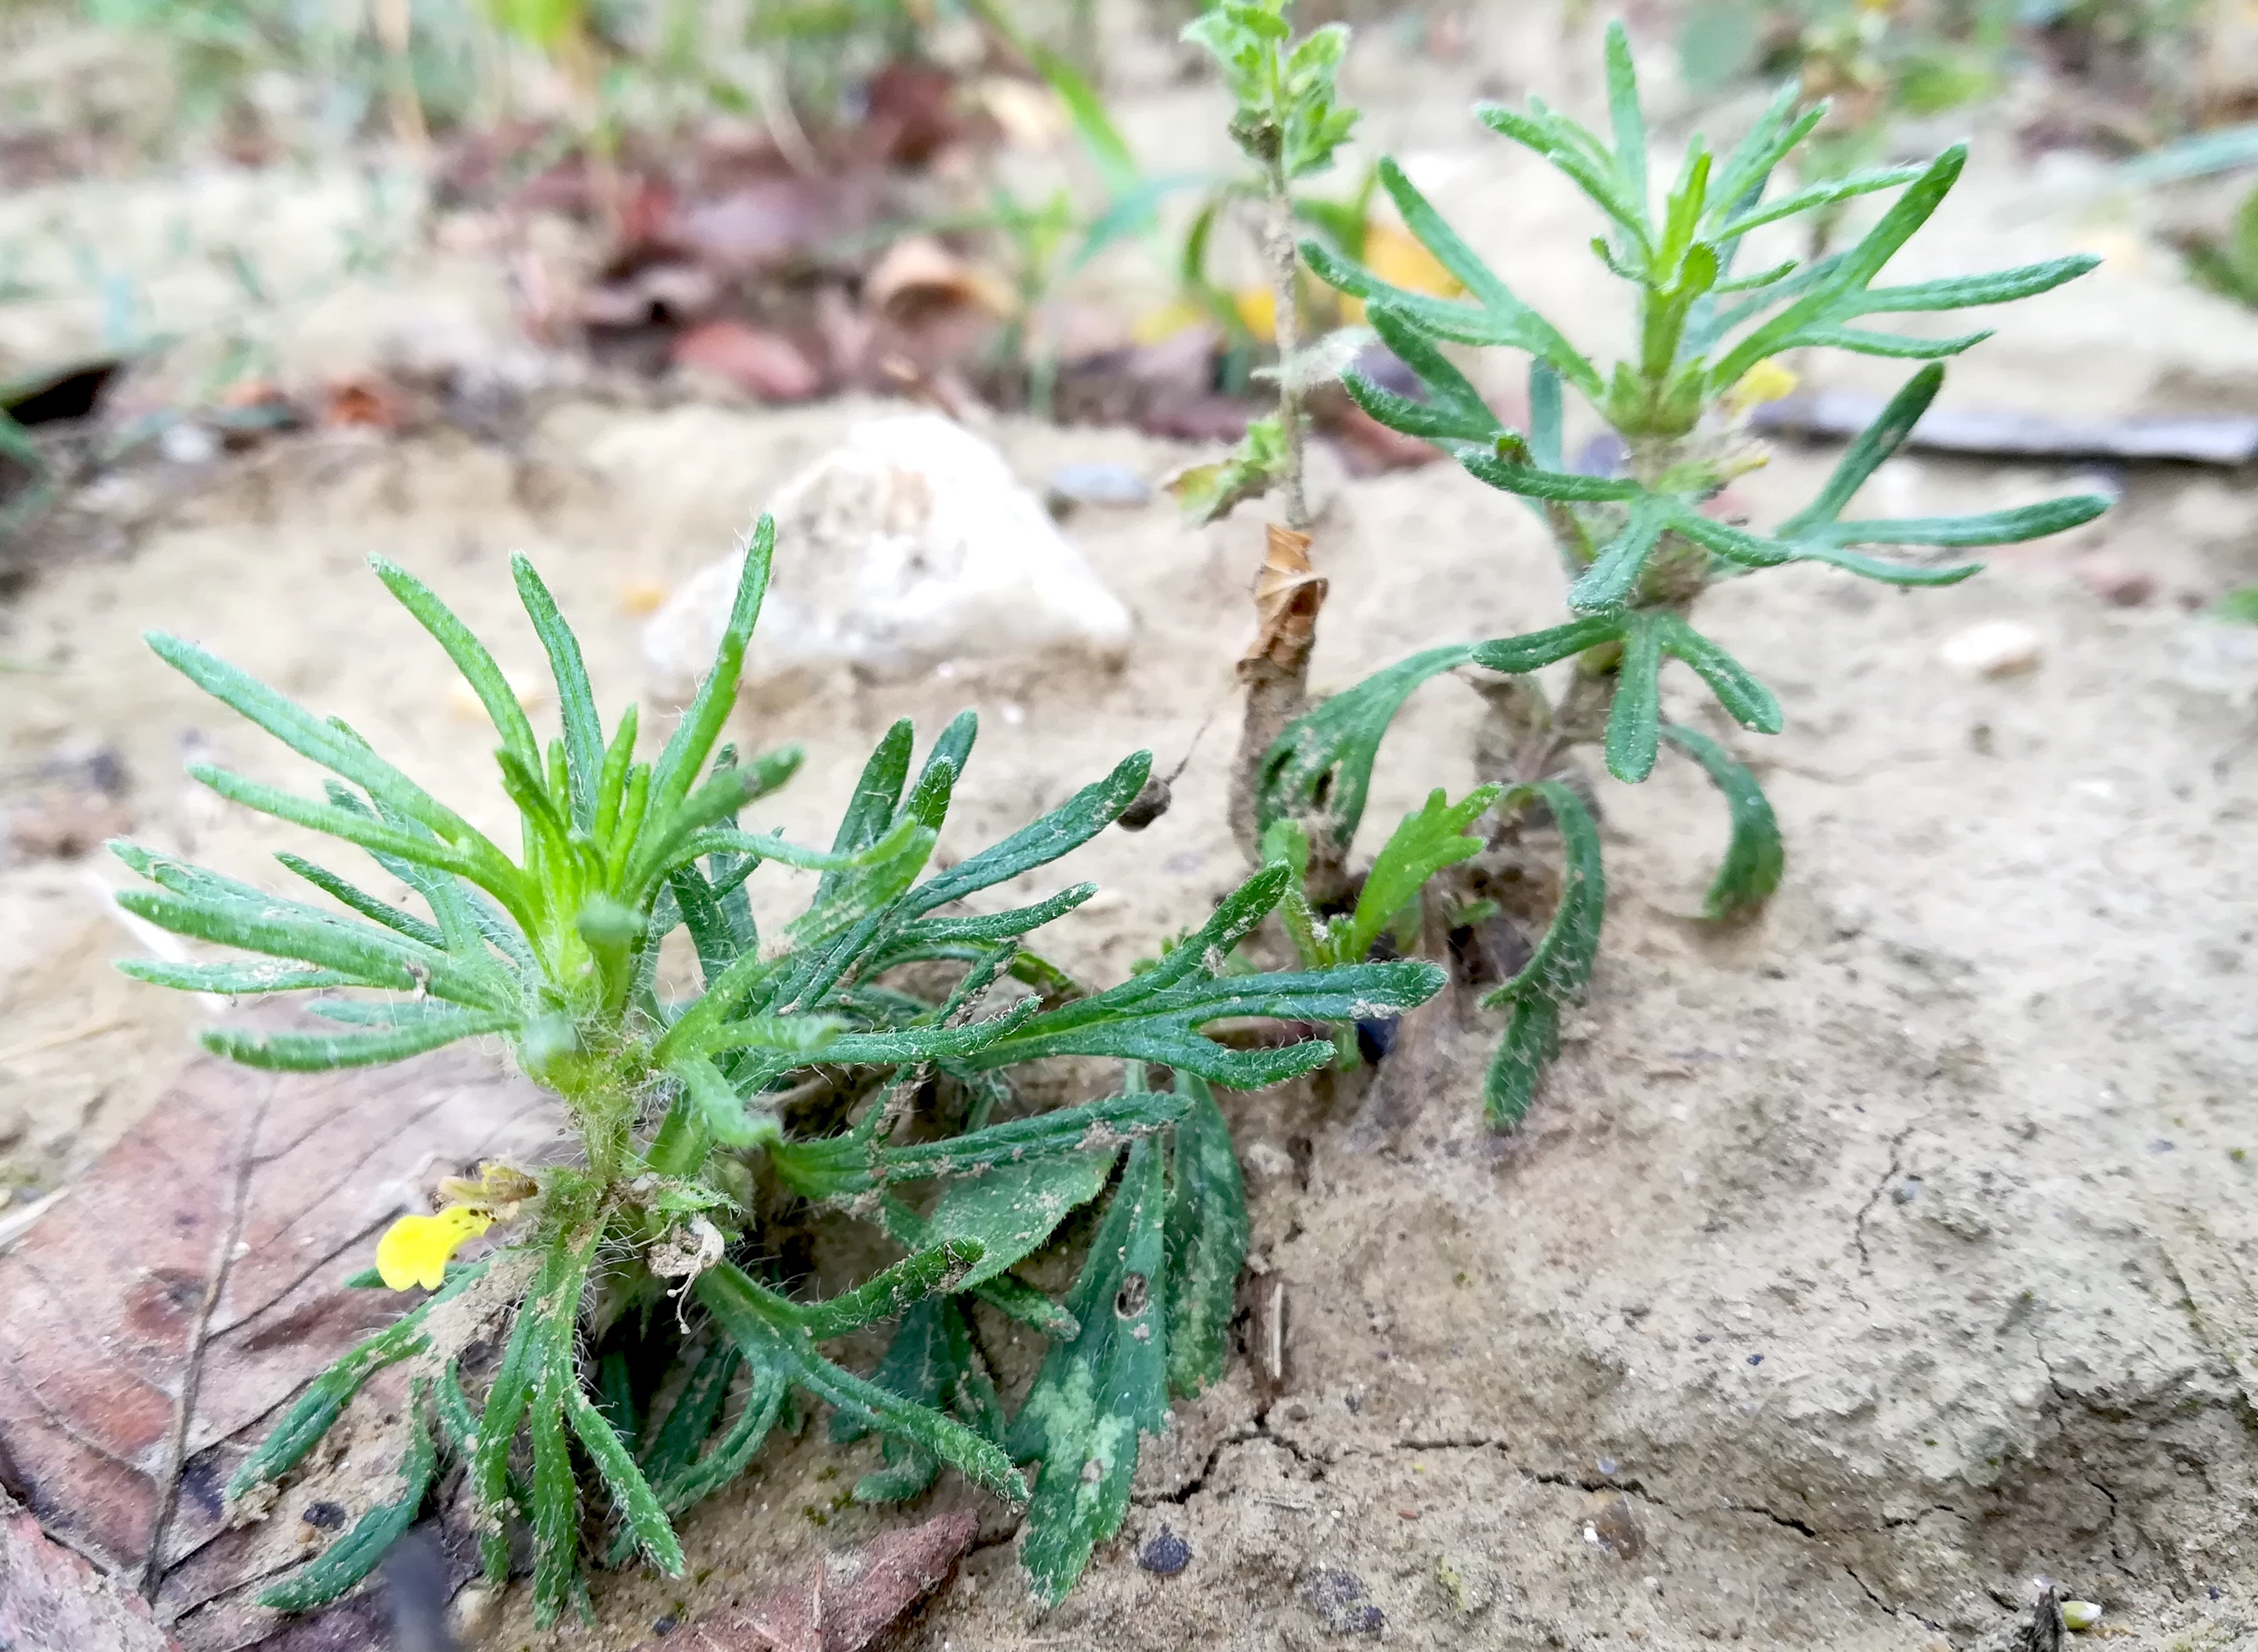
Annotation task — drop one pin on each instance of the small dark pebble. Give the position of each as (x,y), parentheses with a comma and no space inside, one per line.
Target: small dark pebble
(666,1625)
(1341,1601)
(1755,1360)
(1701,1336)
(326,1515)
(1165,1554)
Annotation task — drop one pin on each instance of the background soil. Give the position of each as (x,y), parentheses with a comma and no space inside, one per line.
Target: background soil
(1858,1266)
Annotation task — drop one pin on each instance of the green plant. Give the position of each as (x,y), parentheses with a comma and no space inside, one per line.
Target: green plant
(1637,548)
(860,1055)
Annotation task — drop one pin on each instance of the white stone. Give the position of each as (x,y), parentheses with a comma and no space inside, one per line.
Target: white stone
(1994,648)
(906,548)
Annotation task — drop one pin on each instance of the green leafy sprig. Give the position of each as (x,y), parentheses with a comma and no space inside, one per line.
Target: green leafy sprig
(1640,545)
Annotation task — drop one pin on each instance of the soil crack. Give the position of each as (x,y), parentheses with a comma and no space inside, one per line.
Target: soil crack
(1881,1605)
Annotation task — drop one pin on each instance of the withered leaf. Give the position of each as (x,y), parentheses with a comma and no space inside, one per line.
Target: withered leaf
(51,1600)
(846,1601)
(1288,594)
(156,1320)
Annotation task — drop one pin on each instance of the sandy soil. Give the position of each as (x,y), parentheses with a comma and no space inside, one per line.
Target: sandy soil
(1858,1266)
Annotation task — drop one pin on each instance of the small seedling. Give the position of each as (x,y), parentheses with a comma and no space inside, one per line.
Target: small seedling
(860,1056)
(1639,544)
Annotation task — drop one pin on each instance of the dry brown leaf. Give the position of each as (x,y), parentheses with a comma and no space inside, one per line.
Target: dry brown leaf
(51,1600)
(156,1320)
(757,361)
(919,278)
(846,1601)
(1288,594)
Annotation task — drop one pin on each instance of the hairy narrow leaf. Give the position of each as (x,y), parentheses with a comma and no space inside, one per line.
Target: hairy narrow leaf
(1611,579)
(1635,717)
(1749,701)
(1321,765)
(943,1267)
(355,1554)
(638,1506)
(1754,855)
(931,1362)
(469,655)
(1561,964)
(1876,443)
(320,1053)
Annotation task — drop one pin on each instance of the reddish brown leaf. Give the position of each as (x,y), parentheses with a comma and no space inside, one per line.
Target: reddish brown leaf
(51,1600)
(761,363)
(370,403)
(759,226)
(845,1602)
(911,113)
(153,1324)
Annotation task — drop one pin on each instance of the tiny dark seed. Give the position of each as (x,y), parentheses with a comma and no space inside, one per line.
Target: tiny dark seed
(326,1515)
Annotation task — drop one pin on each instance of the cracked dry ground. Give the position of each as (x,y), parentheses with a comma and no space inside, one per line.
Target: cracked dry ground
(1855,1268)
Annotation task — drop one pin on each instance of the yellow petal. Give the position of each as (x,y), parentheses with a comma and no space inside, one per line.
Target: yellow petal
(1398,257)
(1166,322)
(1766,381)
(414,1250)
(1258,310)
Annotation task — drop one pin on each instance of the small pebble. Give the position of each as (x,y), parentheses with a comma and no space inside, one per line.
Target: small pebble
(1907,1191)
(463,701)
(1613,1526)
(476,1613)
(188,443)
(641,597)
(1115,486)
(324,1515)
(1164,1554)
(1996,648)
(1755,1360)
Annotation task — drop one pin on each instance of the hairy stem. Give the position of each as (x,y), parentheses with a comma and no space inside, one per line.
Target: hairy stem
(1278,245)
(1277,679)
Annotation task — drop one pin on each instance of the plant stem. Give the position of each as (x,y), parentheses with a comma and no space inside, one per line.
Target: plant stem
(1278,245)
(1278,679)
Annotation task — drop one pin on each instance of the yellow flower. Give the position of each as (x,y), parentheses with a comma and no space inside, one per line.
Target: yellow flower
(1258,310)
(1766,381)
(1401,259)
(414,1250)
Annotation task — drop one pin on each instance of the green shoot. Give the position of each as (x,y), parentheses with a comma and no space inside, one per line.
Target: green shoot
(1640,546)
